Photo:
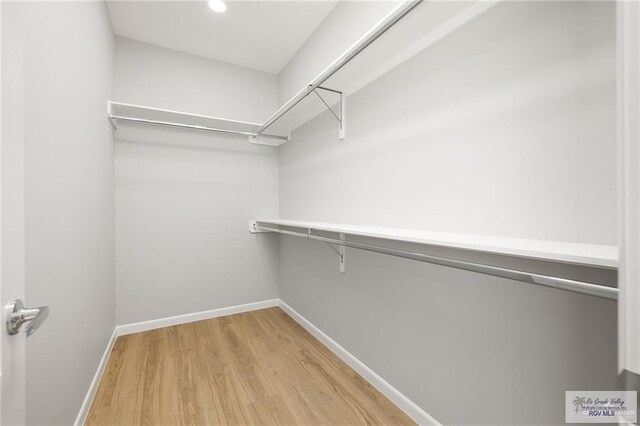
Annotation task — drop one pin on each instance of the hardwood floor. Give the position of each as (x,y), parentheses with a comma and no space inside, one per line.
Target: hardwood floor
(259,368)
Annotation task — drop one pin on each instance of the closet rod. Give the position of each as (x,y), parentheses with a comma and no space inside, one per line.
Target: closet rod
(513,274)
(387,22)
(195,127)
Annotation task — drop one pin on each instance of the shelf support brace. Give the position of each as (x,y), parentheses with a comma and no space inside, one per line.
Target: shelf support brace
(254,228)
(113,123)
(341,109)
(334,249)
(343,255)
(340,251)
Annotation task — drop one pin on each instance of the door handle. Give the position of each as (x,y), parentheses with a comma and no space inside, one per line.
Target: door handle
(18,315)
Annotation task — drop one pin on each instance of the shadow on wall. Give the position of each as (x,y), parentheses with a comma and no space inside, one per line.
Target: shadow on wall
(466,347)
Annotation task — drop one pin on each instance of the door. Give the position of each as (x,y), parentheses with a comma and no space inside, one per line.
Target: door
(12,245)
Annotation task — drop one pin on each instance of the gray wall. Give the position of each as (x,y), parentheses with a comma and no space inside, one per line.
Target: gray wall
(69,202)
(184,199)
(505,128)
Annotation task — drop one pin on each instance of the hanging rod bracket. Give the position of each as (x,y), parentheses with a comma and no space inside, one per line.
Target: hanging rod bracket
(114,124)
(340,251)
(343,255)
(254,228)
(334,249)
(112,121)
(340,116)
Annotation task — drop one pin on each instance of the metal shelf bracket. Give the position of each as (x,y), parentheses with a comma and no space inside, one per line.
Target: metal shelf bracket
(340,116)
(113,123)
(343,255)
(254,229)
(341,251)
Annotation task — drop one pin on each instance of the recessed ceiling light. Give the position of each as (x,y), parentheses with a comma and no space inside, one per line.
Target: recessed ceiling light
(217,5)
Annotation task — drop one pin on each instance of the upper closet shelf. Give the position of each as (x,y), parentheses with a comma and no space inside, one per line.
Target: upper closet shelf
(422,24)
(557,251)
(361,64)
(121,112)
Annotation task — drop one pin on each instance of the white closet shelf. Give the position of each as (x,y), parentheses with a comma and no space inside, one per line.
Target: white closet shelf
(124,112)
(601,256)
(423,24)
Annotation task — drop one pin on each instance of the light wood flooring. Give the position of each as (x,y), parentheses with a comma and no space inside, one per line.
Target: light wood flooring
(259,368)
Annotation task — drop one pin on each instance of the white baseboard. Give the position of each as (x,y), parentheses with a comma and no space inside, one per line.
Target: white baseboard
(405,404)
(196,316)
(93,387)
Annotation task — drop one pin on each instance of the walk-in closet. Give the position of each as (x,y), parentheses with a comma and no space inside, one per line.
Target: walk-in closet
(326,212)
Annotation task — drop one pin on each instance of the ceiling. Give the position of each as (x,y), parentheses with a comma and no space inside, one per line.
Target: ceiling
(262,35)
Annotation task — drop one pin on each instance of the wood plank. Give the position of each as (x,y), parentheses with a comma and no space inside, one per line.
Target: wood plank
(258,367)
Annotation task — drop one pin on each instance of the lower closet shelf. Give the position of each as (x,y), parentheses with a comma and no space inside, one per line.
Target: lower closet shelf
(595,256)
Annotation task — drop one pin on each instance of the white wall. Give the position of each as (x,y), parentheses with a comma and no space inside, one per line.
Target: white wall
(164,78)
(515,122)
(69,201)
(505,128)
(346,23)
(629,200)
(184,199)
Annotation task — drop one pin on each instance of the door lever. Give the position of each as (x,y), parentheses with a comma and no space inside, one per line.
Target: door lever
(18,315)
